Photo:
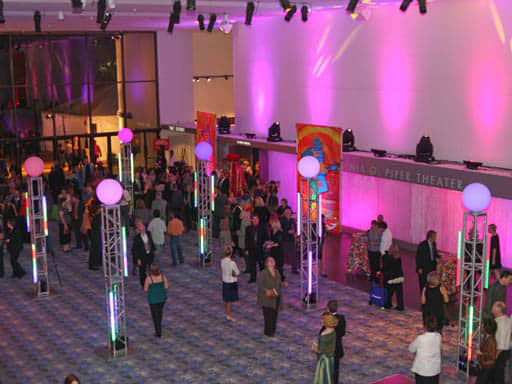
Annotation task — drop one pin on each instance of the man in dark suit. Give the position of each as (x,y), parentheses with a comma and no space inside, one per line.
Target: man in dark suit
(427,258)
(332,307)
(224,184)
(14,241)
(143,250)
(255,236)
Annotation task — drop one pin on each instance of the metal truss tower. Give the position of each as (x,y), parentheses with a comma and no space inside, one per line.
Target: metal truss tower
(309,227)
(37,224)
(115,268)
(472,279)
(204,201)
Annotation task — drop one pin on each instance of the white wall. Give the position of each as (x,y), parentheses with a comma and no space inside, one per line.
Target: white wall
(175,87)
(213,55)
(391,79)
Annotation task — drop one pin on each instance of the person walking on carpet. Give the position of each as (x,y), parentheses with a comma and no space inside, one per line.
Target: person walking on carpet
(156,285)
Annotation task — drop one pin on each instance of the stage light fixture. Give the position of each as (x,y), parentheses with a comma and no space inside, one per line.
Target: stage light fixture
(250,135)
(348,141)
(285,4)
(176,11)
(106,21)
(290,12)
(405,5)
(191,5)
(37,21)
(424,150)
(249,11)
(101,8)
(77,5)
(304,13)
(224,126)
(226,26)
(379,152)
(211,23)
(352,4)
(470,164)
(423,6)
(2,18)
(274,132)
(170,27)
(200,20)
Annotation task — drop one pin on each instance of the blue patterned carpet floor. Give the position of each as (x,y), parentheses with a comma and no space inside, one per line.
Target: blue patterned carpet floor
(43,340)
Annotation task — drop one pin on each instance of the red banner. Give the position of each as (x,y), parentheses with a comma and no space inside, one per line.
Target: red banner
(324,143)
(205,131)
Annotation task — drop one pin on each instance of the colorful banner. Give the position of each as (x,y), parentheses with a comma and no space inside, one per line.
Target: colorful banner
(205,131)
(324,143)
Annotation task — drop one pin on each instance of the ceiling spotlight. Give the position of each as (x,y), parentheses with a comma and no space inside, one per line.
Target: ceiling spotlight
(170,27)
(352,4)
(101,8)
(285,4)
(423,6)
(249,11)
(290,12)
(274,132)
(424,150)
(37,21)
(226,26)
(304,13)
(191,5)
(200,20)
(211,23)
(77,6)
(405,5)
(2,18)
(176,10)
(106,20)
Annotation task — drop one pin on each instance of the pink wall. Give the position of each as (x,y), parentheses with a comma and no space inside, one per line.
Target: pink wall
(411,210)
(283,167)
(391,78)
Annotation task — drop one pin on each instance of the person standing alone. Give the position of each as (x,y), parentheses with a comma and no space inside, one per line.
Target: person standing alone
(175,229)
(427,258)
(495,256)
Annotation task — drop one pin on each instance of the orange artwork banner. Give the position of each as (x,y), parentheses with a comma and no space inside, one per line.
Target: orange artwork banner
(205,131)
(324,143)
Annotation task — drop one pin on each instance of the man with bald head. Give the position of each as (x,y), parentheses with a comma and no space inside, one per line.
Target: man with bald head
(503,335)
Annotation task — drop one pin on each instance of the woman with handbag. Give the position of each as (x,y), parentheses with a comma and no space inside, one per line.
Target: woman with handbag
(270,295)
(230,275)
(325,346)
(487,353)
(156,286)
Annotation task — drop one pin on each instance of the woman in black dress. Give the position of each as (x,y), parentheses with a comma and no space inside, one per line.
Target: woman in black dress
(433,298)
(495,253)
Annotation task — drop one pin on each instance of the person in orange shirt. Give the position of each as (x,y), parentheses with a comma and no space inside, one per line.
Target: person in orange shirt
(175,229)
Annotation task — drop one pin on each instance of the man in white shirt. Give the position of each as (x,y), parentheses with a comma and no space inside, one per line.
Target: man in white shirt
(157,228)
(503,335)
(386,239)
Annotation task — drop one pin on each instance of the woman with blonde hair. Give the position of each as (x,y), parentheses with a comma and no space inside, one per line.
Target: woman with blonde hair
(275,244)
(325,346)
(156,286)
(433,298)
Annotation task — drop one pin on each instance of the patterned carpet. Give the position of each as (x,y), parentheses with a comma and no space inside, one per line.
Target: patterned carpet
(43,340)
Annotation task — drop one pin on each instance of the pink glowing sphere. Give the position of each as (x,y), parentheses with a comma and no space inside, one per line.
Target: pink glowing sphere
(309,167)
(125,135)
(476,197)
(109,191)
(203,150)
(34,166)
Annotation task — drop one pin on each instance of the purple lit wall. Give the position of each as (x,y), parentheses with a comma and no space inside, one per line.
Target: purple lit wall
(411,210)
(282,167)
(391,78)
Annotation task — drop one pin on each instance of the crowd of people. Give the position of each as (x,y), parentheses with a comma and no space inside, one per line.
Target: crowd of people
(257,230)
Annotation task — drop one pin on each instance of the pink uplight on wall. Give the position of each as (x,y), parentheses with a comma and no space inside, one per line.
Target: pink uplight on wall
(395,81)
(262,95)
